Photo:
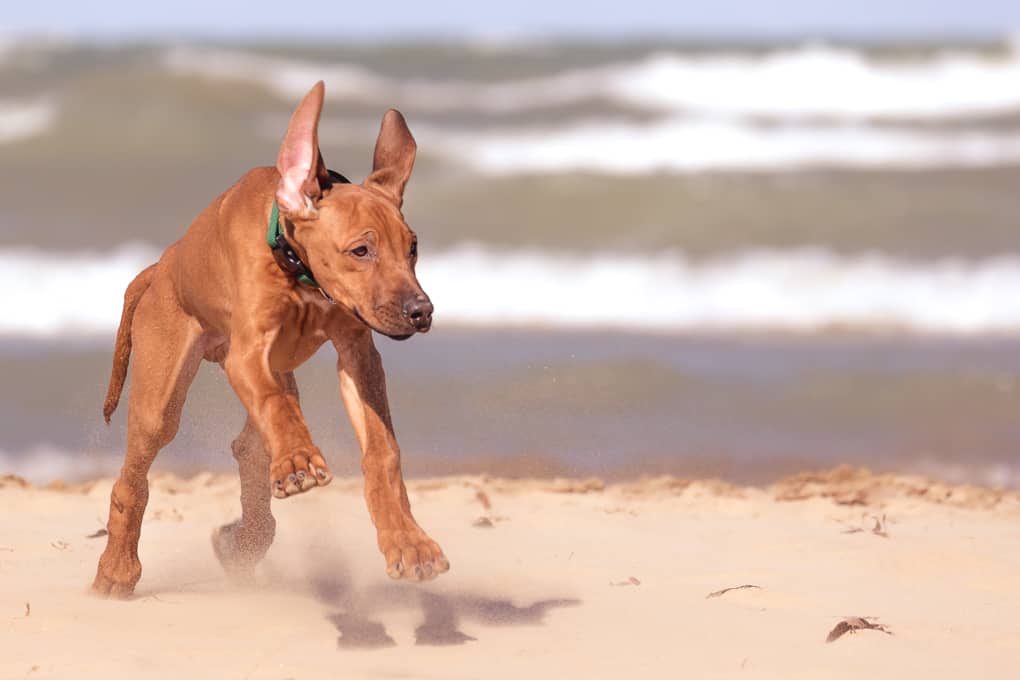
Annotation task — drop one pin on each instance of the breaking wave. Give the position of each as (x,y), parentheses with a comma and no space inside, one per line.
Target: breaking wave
(692,145)
(803,290)
(24,119)
(805,81)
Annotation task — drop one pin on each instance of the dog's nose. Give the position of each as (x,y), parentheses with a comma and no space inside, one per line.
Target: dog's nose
(418,311)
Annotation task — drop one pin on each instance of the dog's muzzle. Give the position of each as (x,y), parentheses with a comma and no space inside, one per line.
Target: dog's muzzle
(418,312)
(417,315)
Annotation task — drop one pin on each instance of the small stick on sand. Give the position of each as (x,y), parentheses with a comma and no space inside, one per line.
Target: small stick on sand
(879,528)
(852,624)
(629,582)
(28,610)
(98,533)
(722,592)
(157,598)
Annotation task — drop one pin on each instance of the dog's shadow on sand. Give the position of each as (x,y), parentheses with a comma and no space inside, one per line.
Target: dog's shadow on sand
(443,612)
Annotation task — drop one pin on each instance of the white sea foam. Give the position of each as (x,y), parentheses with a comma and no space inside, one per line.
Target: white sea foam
(41,464)
(824,81)
(63,295)
(690,145)
(807,81)
(49,294)
(820,102)
(24,119)
(800,290)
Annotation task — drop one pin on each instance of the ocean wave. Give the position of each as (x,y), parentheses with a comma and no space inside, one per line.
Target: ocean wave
(796,290)
(819,81)
(690,145)
(51,294)
(42,463)
(24,119)
(290,79)
(287,78)
(805,81)
(801,290)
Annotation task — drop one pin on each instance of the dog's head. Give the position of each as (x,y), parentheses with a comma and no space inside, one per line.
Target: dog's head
(353,236)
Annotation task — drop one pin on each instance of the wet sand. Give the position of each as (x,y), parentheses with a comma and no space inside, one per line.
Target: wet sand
(749,409)
(566,578)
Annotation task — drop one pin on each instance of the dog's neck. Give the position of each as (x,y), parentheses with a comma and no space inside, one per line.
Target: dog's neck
(286,256)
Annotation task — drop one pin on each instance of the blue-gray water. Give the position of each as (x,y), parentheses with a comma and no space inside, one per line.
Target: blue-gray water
(749,409)
(645,256)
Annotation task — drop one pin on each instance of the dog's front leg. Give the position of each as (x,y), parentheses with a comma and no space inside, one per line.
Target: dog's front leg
(296,463)
(408,550)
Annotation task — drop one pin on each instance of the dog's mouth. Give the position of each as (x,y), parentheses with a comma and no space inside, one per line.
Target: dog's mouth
(391,336)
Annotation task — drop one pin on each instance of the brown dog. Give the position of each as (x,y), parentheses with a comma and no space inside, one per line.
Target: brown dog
(223,294)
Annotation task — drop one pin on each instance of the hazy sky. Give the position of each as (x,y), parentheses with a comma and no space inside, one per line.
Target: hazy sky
(511,18)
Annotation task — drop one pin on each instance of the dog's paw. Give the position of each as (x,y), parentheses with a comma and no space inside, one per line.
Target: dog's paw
(298,472)
(116,576)
(410,554)
(239,548)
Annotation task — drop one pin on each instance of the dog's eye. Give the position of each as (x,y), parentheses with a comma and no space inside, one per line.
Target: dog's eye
(414,249)
(360,251)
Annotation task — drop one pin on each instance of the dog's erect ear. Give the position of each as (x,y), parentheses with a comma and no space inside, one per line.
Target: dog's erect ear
(302,170)
(394,156)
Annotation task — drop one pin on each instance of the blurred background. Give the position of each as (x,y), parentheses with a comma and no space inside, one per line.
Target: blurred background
(740,239)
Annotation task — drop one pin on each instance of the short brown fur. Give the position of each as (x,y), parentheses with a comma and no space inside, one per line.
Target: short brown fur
(218,294)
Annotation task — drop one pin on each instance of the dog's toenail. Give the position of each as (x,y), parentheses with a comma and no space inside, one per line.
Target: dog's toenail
(291,478)
(321,473)
(301,475)
(279,484)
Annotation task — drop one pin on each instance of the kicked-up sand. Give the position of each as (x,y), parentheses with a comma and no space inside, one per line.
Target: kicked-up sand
(549,578)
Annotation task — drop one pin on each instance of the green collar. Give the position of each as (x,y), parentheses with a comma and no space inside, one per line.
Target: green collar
(286,257)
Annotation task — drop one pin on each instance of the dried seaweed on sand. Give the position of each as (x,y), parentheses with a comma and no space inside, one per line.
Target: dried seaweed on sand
(853,624)
(720,593)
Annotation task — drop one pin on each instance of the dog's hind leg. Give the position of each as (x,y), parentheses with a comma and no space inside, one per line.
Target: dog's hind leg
(242,544)
(167,353)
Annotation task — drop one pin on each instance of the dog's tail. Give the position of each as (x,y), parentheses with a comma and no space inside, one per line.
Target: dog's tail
(122,350)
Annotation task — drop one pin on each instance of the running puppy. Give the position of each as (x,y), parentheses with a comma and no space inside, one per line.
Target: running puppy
(288,258)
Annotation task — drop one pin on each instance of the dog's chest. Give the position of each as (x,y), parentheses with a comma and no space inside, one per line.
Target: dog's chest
(301,334)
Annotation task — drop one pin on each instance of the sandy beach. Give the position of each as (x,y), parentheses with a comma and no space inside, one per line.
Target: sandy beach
(549,578)
(665,247)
